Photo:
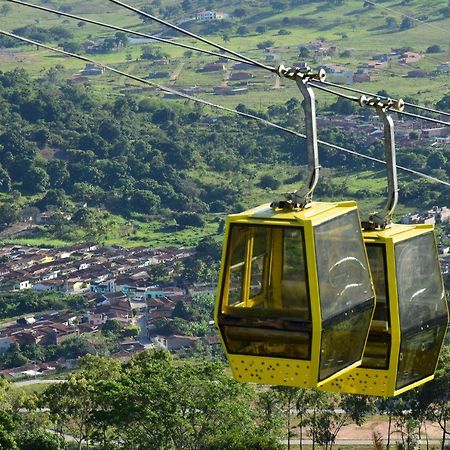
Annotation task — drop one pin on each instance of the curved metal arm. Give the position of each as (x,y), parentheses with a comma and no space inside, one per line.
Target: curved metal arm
(312,150)
(384,219)
(300,198)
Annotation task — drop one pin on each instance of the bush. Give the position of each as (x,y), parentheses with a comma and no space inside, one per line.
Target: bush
(190,220)
(270,182)
(434,49)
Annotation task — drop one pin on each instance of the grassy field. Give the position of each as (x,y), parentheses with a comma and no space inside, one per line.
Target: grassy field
(360,31)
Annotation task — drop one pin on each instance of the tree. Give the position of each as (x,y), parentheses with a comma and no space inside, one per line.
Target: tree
(407,23)
(39,440)
(190,220)
(391,23)
(329,421)
(36,180)
(58,173)
(444,103)
(434,49)
(5,180)
(121,39)
(72,47)
(261,29)
(264,44)
(242,30)
(304,52)
(343,106)
(112,326)
(9,213)
(181,311)
(269,182)
(54,197)
(436,160)
(240,13)
(144,201)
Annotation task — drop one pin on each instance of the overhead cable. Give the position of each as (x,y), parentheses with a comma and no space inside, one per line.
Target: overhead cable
(190,47)
(411,105)
(357,100)
(126,30)
(213,105)
(192,35)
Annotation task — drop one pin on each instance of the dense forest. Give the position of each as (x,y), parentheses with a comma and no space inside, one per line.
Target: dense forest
(61,144)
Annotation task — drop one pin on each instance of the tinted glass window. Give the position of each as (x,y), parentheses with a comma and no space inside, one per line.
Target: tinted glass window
(294,286)
(376,352)
(419,354)
(344,279)
(419,282)
(265,300)
(343,343)
(377,261)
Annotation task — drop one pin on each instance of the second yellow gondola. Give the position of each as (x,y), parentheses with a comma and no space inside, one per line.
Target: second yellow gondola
(411,315)
(410,320)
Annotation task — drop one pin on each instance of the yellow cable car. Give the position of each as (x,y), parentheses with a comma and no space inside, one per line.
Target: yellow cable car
(295,296)
(411,315)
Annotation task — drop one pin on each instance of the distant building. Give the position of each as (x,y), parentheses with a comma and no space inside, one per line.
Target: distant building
(176,342)
(444,67)
(214,67)
(410,57)
(361,77)
(209,16)
(92,69)
(241,76)
(417,73)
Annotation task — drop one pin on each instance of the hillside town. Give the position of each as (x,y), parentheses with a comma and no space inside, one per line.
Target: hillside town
(114,282)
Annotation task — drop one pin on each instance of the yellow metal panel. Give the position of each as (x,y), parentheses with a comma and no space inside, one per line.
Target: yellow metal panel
(314,293)
(267,370)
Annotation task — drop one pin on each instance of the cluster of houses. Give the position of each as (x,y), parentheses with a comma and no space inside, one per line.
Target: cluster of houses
(82,268)
(115,283)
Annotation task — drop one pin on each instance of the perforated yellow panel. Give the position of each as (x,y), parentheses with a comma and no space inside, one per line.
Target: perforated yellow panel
(367,381)
(266,370)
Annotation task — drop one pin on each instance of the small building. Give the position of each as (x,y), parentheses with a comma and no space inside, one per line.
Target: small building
(176,342)
(209,16)
(444,67)
(92,69)
(213,67)
(417,73)
(410,57)
(361,77)
(241,76)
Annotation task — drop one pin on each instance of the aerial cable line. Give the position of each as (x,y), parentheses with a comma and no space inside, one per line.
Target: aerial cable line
(213,105)
(399,13)
(358,91)
(192,35)
(126,30)
(190,47)
(358,100)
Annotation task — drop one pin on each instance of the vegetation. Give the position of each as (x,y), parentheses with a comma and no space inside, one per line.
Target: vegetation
(86,160)
(112,404)
(18,303)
